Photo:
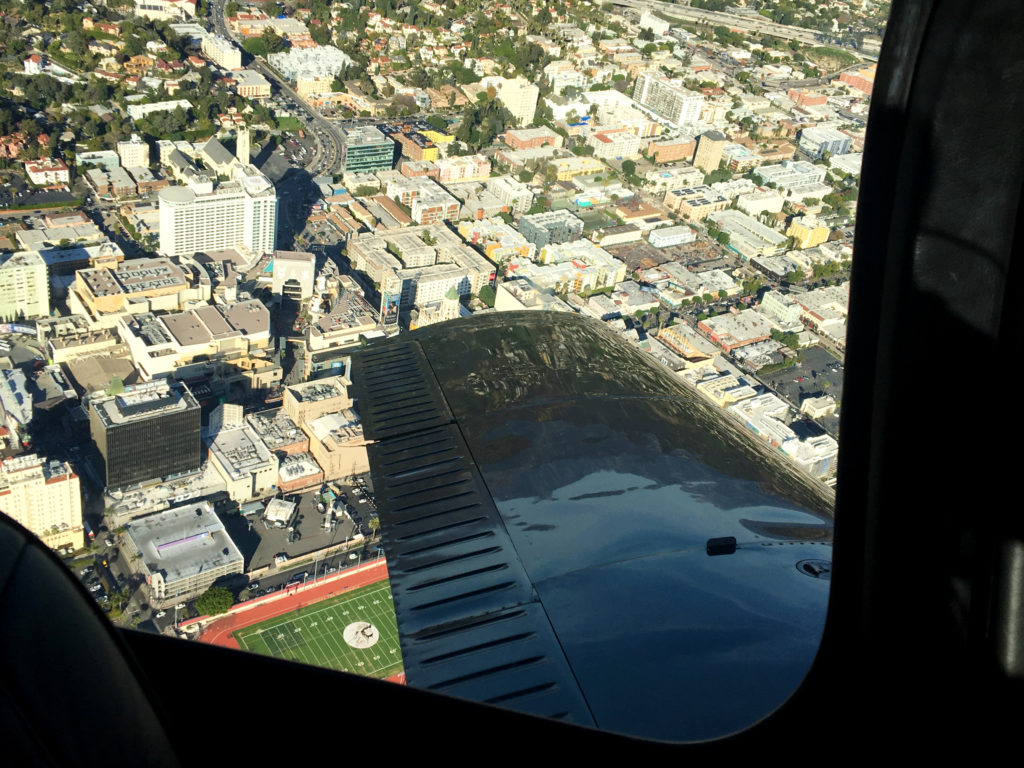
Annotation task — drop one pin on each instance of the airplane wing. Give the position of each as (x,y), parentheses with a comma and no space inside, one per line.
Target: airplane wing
(573,532)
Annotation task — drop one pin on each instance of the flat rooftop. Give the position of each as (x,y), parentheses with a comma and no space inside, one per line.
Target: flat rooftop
(183,542)
(276,428)
(240,451)
(297,466)
(144,401)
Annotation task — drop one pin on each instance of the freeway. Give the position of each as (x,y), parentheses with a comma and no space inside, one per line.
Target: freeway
(757,24)
(329,141)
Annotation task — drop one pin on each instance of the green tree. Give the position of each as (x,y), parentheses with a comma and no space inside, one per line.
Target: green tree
(628,168)
(374,525)
(788,338)
(274,42)
(255,46)
(487,295)
(214,601)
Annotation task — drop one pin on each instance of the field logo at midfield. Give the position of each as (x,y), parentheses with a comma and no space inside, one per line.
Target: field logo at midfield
(361,634)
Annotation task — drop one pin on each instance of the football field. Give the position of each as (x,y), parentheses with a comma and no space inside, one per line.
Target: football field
(354,632)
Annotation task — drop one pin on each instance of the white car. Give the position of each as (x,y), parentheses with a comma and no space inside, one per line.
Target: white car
(161,614)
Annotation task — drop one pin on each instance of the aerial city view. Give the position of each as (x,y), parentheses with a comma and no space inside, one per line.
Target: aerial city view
(213,215)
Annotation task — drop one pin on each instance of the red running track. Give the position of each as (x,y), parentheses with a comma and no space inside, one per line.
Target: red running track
(252,612)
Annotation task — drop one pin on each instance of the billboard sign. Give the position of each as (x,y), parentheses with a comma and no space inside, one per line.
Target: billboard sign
(390,305)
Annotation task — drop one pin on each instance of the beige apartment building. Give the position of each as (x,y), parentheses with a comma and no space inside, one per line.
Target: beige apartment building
(313,399)
(709,151)
(45,497)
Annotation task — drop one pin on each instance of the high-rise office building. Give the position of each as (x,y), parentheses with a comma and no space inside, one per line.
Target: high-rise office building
(149,431)
(668,98)
(202,217)
(364,149)
(45,497)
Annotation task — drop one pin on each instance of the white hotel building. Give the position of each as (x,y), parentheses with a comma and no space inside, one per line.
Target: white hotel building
(241,213)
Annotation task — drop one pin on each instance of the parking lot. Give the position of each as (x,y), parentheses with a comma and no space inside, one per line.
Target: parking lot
(261,541)
(819,374)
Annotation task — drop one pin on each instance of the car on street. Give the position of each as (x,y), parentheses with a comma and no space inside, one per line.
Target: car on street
(253,586)
(161,614)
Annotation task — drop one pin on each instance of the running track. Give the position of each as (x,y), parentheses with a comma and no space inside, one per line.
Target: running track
(251,612)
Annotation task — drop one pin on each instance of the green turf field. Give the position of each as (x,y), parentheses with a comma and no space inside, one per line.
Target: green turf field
(316,634)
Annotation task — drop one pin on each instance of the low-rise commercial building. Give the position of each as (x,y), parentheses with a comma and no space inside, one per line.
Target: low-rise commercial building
(615,142)
(666,237)
(781,308)
(548,227)
(412,271)
(807,232)
(47,170)
(221,52)
(236,334)
(251,84)
(747,236)
(694,203)
(350,320)
(454,170)
(760,201)
(673,150)
(249,469)
(520,293)
(567,168)
(294,273)
(279,432)
(531,138)
(679,177)
(105,295)
(428,203)
(181,552)
(731,331)
(821,140)
(514,194)
(312,399)
(337,443)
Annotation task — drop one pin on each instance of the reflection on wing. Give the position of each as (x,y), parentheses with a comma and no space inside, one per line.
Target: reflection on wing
(547,495)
